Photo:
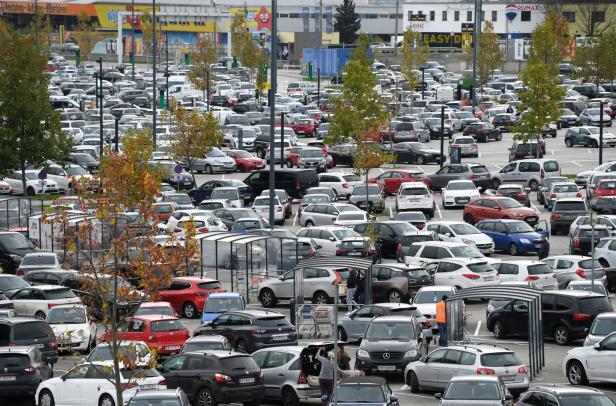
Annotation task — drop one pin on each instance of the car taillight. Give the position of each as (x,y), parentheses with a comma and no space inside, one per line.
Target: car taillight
(471,276)
(531,278)
(578,194)
(163,382)
(30,370)
(53,344)
(522,370)
(399,247)
(177,230)
(345,185)
(298,185)
(278,208)
(124,386)
(577,243)
(553,196)
(203,229)
(455,145)
(337,279)
(258,331)
(301,379)
(473,177)
(581,316)
(201,294)
(554,216)
(50,305)
(542,174)
(485,371)
(311,253)
(580,273)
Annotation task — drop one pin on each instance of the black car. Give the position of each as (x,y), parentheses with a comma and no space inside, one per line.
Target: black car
(568,119)
(604,205)
(229,215)
(9,284)
(565,211)
(25,331)
(356,247)
(343,154)
(416,153)
(215,377)
(503,122)
(409,238)
(581,241)
(219,100)
(85,161)
(13,247)
(483,132)
(203,192)
(388,233)
(251,330)
(566,314)
(22,370)
(295,181)
(478,173)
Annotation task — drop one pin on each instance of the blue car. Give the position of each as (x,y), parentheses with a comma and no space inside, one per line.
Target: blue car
(513,236)
(219,303)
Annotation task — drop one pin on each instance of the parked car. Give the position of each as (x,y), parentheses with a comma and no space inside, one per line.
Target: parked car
(539,273)
(294,181)
(219,303)
(515,191)
(159,397)
(29,331)
(585,238)
(478,173)
(163,308)
(588,286)
(245,161)
(415,196)
(207,342)
(375,198)
(422,253)
(528,172)
(458,193)
(188,295)
(483,131)
(602,326)
(388,234)
(575,267)
(23,369)
(203,192)
(604,205)
(463,272)
(587,363)
(73,327)
(13,247)
(136,351)
(409,238)
(459,231)
(416,153)
(526,150)
(468,146)
(561,191)
(328,237)
(342,183)
(563,395)
(36,261)
(426,299)
(38,300)
(545,185)
(356,246)
(515,237)
(485,390)
(485,208)
(390,181)
(367,390)
(565,211)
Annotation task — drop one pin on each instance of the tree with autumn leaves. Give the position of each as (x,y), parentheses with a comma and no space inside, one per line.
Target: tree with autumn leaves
(359,115)
(203,55)
(245,49)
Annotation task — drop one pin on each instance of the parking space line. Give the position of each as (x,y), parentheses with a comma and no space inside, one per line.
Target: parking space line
(533,206)
(438,211)
(477,328)
(391,213)
(552,151)
(295,219)
(575,163)
(589,151)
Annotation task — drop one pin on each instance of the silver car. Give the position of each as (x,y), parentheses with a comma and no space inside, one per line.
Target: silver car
(214,161)
(323,214)
(603,325)
(207,342)
(475,390)
(286,374)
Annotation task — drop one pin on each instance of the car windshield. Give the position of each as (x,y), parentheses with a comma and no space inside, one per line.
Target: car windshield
(166,325)
(225,194)
(11,282)
(243,154)
(55,294)
(593,112)
(203,345)
(390,332)
(587,287)
(361,190)
(430,296)
(599,232)
(74,315)
(472,391)
(351,178)
(414,191)
(210,205)
(464,141)
(586,400)
(464,229)
(410,216)
(500,359)
(402,227)
(15,241)
(312,199)
(588,263)
(360,394)
(565,189)
(519,227)
(311,153)
(461,186)
(509,203)
(75,170)
(466,252)
(603,326)
(179,199)
(345,233)
(569,206)
(164,310)
(215,153)
(221,305)
(47,260)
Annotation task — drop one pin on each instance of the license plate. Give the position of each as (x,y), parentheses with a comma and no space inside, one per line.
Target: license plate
(489,278)
(7,378)
(313,380)
(386,367)
(40,346)
(508,377)
(247,380)
(149,386)
(537,246)
(280,337)
(532,218)
(172,347)
(355,254)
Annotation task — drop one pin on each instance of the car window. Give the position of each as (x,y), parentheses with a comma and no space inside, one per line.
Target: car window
(563,264)
(175,364)
(79,372)
(429,252)
(365,312)
(500,228)
(489,204)
(467,358)
(259,358)
(436,356)
(277,359)
(443,253)
(194,363)
(452,357)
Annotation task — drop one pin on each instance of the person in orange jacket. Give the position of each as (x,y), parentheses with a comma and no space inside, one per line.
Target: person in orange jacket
(441,321)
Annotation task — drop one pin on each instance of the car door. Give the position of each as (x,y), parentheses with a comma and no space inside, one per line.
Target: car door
(451,368)
(327,240)
(442,177)
(70,391)
(176,294)
(387,239)
(284,288)
(360,320)
(275,371)
(221,325)
(23,302)
(508,174)
(490,209)
(602,363)
(171,371)
(404,154)
(380,282)
(428,371)
(519,321)
(500,236)
(547,312)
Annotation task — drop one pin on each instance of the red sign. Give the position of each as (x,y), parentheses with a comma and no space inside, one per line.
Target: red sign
(264,19)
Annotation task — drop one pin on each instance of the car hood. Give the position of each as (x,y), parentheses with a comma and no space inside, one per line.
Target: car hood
(64,329)
(523,210)
(387,345)
(529,236)
(463,193)
(477,238)
(580,351)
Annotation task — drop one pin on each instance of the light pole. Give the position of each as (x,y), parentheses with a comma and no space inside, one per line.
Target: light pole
(272,106)
(100,103)
(36,24)
(476,32)
(154,87)
(132,37)
(167,70)
(396,29)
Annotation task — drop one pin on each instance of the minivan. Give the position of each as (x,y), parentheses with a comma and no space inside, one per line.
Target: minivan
(294,181)
(529,172)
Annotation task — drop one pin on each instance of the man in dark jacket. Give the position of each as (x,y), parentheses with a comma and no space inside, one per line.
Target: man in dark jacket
(544,248)
(351,288)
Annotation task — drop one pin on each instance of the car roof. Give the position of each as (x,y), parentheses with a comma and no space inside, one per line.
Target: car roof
(482,348)
(395,305)
(47,287)
(219,353)
(413,184)
(154,317)
(224,295)
(442,243)
(526,262)
(254,313)
(370,380)
(607,315)
(20,319)
(475,378)
(193,279)
(154,304)
(437,288)
(561,389)
(574,293)
(20,349)
(206,338)
(392,318)
(571,257)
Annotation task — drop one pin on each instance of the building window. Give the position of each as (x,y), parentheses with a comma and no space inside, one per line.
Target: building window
(569,16)
(469,15)
(444,16)
(598,16)
(483,15)
(456,15)
(525,16)
(410,16)
(283,15)
(294,15)
(432,13)
(494,15)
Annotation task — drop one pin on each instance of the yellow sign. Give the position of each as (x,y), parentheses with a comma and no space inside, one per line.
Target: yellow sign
(61,34)
(267,86)
(108,15)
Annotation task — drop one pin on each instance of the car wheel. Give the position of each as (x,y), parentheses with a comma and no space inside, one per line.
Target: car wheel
(576,374)
(46,398)
(267,298)
(394,296)
(206,398)
(342,335)
(420,160)
(499,137)
(320,297)
(553,231)
(413,382)
(40,315)
(561,335)
(241,346)
(533,185)
(495,183)
(513,249)
(189,310)
(309,223)
(288,397)
(499,329)
(469,219)
(106,400)
(241,168)
(568,143)
(594,144)
(208,169)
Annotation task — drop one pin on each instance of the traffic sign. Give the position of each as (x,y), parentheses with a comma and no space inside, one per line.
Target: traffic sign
(42,175)
(267,86)
(42,183)
(178,169)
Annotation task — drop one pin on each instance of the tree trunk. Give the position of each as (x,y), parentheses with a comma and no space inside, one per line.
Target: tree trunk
(22,167)
(114,328)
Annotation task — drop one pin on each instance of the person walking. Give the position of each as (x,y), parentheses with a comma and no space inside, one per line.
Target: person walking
(351,288)
(361,289)
(441,321)
(344,360)
(326,376)
(544,248)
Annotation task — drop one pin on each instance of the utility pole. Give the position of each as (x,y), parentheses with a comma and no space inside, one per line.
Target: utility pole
(396,29)
(442,133)
(272,106)
(36,24)
(132,37)
(476,32)
(601,133)
(100,103)
(154,86)
(167,69)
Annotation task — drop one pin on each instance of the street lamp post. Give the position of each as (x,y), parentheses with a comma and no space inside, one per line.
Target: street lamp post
(476,32)
(132,37)
(272,106)
(167,69)
(100,103)
(154,86)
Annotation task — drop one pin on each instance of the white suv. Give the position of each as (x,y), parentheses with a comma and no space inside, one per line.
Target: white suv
(463,273)
(605,252)
(541,275)
(424,252)
(459,231)
(319,286)
(342,183)
(415,196)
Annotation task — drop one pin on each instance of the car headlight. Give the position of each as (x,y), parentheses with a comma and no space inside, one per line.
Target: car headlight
(410,354)
(525,241)
(515,213)
(470,242)
(81,334)
(363,353)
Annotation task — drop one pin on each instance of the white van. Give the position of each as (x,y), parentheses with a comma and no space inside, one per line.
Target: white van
(444,93)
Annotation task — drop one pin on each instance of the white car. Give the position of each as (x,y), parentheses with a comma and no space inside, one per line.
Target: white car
(458,193)
(605,252)
(328,237)
(351,218)
(91,384)
(415,196)
(230,193)
(459,231)
(261,206)
(607,220)
(542,276)
(72,326)
(575,268)
(202,224)
(38,300)
(179,215)
(588,286)
(137,351)
(561,190)
(463,273)
(426,299)
(67,177)
(342,183)
(591,363)
(38,260)
(466,143)
(602,326)
(319,286)
(33,186)
(429,251)
(582,177)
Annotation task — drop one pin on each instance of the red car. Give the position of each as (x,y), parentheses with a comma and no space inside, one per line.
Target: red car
(245,161)
(163,210)
(293,156)
(605,187)
(304,126)
(164,334)
(390,181)
(187,294)
(497,207)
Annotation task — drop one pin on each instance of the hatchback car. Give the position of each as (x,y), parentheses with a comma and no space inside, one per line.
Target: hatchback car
(23,369)
(541,275)
(563,395)
(515,237)
(515,191)
(415,196)
(603,325)
(38,300)
(207,343)
(483,390)
(574,268)
(498,208)
(369,391)
(188,295)
(565,211)
(459,231)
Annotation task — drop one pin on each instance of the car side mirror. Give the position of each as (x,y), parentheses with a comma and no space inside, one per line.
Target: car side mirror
(422,359)
(332,239)
(63,377)
(319,247)
(438,395)
(509,396)
(597,346)
(281,277)
(393,398)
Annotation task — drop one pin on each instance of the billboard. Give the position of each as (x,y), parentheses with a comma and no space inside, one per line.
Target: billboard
(257,18)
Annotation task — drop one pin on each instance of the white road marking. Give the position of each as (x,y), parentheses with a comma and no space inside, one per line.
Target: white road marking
(295,218)
(391,213)
(575,163)
(533,206)
(497,167)
(223,176)
(415,395)
(477,328)
(552,152)
(438,212)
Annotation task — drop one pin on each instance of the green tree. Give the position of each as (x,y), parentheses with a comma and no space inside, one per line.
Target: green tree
(550,41)
(202,57)
(489,55)
(347,22)
(243,47)
(414,54)
(29,128)
(362,52)
(598,62)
